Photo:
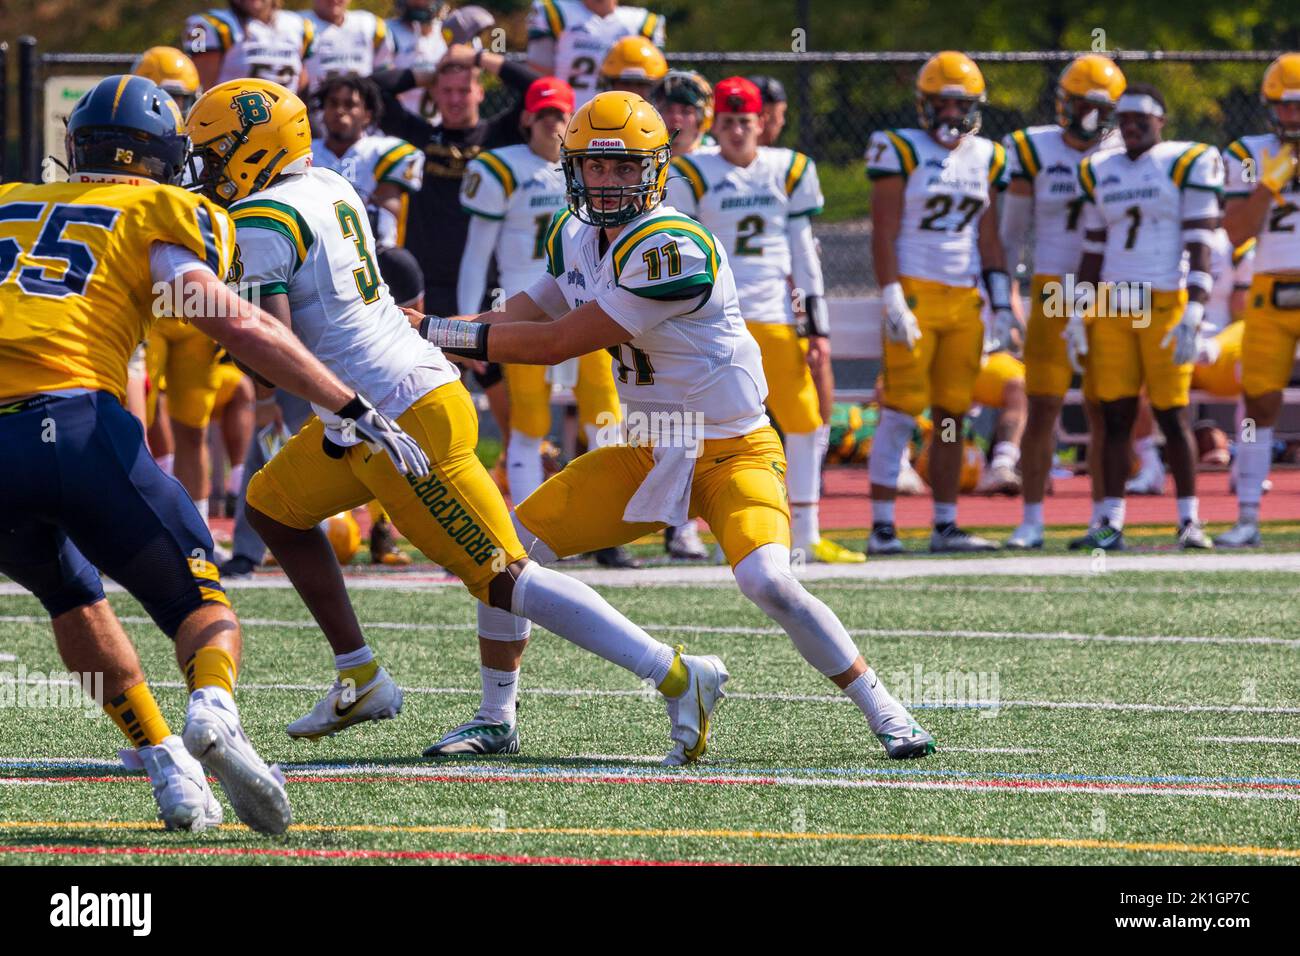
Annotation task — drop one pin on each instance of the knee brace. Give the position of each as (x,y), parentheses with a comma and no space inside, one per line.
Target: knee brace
(891,438)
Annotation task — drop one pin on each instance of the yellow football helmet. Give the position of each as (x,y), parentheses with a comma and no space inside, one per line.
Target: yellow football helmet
(247,132)
(634,64)
(344,535)
(616,125)
(1282,85)
(1086,93)
(949,75)
(173,71)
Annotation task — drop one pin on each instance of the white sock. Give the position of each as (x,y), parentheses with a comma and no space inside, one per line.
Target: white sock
(362,655)
(1034,514)
(805,529)
(1188,510)
(823,443)
(882,512)
(1254,459)
(578,614)
(1098,512)
(523,465)
(167,463)
(235,480)
(885,715)
(1007,453)
(500,694)
(1148,454)
(764,577)
(1113,512)
(945,512)
(1248,513)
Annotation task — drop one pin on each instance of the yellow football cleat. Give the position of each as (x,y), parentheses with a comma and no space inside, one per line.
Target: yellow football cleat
(828,552)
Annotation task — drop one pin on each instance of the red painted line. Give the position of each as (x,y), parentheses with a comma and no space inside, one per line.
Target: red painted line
(305,853)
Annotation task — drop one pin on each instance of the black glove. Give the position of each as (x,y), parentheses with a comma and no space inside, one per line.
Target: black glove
(379,433)
(814,320)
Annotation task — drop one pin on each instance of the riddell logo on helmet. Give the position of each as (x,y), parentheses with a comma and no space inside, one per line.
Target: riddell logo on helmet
(606,144)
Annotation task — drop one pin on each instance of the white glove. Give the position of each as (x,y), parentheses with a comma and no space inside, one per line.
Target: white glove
(900,323)
(1183,336)
(1076,342)
(1207,347)
(997,336)
(360,422)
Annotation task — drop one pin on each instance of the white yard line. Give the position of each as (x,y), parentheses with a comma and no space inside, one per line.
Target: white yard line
(1294,741)
(1286,642)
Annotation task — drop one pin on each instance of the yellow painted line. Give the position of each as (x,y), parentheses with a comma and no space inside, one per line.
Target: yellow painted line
(941,838)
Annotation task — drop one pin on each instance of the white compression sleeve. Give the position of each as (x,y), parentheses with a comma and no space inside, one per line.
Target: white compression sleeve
(523,465)
(891,438)
(472,282)
(804,468)
(1013,226)
(805,264)
(765,578)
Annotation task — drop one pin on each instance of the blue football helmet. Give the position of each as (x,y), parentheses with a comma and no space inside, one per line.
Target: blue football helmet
(128,125)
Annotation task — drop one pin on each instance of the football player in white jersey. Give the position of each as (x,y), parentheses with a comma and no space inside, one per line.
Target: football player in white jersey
(1045,196)
(570,38)
(416,41)
(511,195)
(253,38)
(759,203)
(1263,195)
(685,100)
(306,246)
(1147,204)
(347,42)
(384,170)
(628,273)
(935,227)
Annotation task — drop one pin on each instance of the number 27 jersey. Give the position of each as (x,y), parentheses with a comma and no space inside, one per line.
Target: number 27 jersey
(946,196)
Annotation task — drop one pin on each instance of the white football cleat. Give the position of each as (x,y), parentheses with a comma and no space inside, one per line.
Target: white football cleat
(684,544)
(214,736)
(1148,481)
(1027,537)
(346,704)
(910,481)
(1243,534)
(185,801)
(690,712)
(999,478)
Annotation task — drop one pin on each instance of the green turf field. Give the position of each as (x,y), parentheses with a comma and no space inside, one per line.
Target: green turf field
(1119,718)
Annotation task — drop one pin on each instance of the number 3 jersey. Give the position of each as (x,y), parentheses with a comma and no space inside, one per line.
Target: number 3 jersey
(1142,204)
(666,280)
(77,293)
(307,236)
(1279,240)
(945,198)
(752,210)
(1041,156)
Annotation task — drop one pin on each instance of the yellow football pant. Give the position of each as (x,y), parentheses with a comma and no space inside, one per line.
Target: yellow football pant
(940,371)
(1223,376)
(997,371)
(1268,348)
(183,361)
(738,488)
(530,395)
(791,391)
(455,515)
(1125,352)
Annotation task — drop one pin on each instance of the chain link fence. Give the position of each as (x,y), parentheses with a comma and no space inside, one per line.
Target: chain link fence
(836,101)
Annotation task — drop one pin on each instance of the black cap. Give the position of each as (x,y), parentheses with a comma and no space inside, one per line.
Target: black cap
(770,88)
(401,270)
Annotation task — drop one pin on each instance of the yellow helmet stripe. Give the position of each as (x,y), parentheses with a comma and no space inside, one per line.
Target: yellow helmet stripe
(997,163)
(677,225)
(1243,250)
(554,247)
(1087,178)
(223,30)
(497,167)
(554,17)
(117,94)
(277,217)
(648,25)
(1028,155)
(793,174)
(692,174)
(391,158)
(1183,164)
(906,154)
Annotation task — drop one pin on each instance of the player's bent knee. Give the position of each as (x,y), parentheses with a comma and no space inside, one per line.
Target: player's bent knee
(766,579)
(501,589)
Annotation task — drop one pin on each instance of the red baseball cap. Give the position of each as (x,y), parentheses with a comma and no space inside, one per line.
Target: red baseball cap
(549,92)
(736,94)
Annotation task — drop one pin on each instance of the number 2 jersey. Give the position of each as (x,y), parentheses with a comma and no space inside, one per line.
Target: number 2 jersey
(267,51)
(666,280)
(77,294)
(582,38)
(760,215)
(1279,239)
(945,198)
(1142,204)
(1041,156)
(307,236)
